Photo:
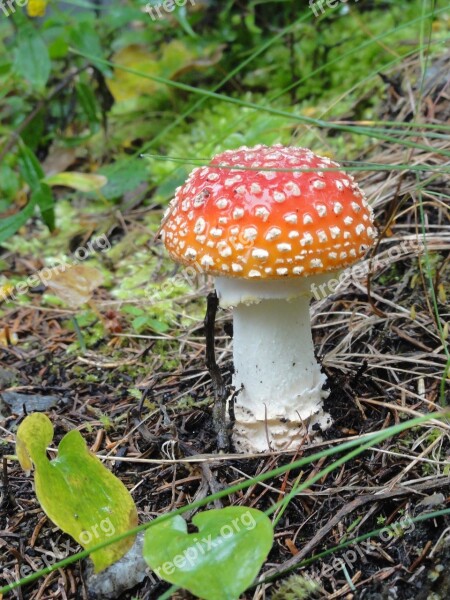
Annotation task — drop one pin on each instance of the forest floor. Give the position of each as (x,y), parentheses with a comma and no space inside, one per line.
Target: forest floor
(148,398)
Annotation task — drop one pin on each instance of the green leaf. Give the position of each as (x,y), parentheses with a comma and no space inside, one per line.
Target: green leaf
(139,322)
(33,133)
(5,67)
(84,182)
(32,61)
(121,16)
(181,16)
(41,194)
(9,181)
(171,182)
(44,199)
(58,48)
(88,104)
(158,326)
(30,167)
(219,561)
(124,175)
(76,491)
(87,41)
(143,321)
(131,309)
(10,225)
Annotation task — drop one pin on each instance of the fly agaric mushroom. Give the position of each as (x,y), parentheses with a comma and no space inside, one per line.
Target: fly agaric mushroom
(270,224)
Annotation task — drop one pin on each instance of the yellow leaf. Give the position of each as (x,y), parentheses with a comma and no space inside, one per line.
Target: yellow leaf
(172,60)
(35,435)
(36,8)
(8,337)
(5,290)
(74,284)
(84,182)
(76,491)
(124,85)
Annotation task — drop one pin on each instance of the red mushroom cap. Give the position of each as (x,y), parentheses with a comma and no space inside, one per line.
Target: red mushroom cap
(255,221)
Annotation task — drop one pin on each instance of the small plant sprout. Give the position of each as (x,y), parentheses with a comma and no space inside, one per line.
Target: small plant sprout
(270,223)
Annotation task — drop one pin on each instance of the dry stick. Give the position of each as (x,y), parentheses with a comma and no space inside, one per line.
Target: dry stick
(6,495)
(220,390)
(208,479)
(349,508)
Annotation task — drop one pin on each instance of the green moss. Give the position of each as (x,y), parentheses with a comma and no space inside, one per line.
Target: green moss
(296,587)
(135,393)
(91,328)
(392,274)
(189,402)
(106,422)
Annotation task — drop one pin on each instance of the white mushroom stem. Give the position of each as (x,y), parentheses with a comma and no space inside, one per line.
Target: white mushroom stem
(279,380)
